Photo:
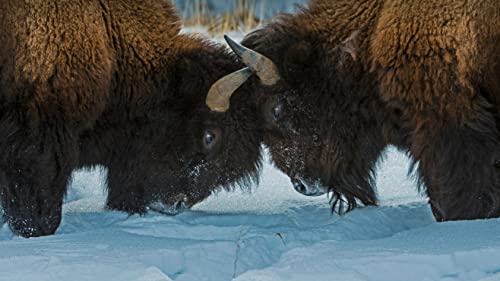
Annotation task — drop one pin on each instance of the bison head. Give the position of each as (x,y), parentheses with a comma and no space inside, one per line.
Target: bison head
(219,149)
(319,110)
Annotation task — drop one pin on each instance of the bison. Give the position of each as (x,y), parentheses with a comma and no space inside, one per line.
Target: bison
(340,80)
(113,83)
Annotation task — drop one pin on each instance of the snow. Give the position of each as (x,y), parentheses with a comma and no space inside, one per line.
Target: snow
(270,233)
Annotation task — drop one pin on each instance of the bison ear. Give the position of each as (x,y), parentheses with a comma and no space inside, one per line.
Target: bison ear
(188,78)
(351,45)
(185,66)
(298,58)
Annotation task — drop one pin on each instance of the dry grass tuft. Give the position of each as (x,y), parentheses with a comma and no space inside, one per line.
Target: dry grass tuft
(243,18)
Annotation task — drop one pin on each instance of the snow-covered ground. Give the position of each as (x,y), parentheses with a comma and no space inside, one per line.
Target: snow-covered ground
(271,233)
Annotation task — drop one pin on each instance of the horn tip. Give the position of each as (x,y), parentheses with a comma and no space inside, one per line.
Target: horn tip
(228,39)
(235,46)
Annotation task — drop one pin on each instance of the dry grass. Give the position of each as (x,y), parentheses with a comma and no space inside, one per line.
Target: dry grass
(243,18)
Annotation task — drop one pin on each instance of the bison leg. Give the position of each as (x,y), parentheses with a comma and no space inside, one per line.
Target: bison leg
(459,166)
(126,189)
(34,173)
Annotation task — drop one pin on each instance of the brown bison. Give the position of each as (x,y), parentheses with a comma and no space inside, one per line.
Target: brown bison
(113,83)
(341,80)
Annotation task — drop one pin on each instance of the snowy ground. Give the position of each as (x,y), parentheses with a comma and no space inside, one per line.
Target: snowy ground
(269,234)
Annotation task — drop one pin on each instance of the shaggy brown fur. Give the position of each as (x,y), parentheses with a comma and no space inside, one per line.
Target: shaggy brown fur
(113,83)
(423,75)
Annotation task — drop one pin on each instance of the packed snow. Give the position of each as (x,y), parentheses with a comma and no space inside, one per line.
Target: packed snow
(270,233)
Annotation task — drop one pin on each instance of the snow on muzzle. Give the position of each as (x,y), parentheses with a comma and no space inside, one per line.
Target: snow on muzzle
(173,206)
(308,187)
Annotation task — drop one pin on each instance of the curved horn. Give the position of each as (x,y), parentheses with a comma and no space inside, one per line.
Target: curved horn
(263,67)
(221,91)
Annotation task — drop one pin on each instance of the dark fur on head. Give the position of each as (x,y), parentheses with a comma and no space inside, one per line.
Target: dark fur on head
(327,131)
(113,84)
(357,76)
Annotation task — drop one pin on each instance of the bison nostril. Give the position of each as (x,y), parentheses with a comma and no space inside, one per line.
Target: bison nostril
(308,188)
(180,205)
(497,164)
(299,186)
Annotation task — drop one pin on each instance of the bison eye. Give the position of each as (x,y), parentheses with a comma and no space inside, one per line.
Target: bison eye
(210,138)
(277,111)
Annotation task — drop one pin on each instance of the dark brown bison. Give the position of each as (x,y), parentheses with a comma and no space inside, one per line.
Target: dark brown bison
(113,83)
(341,80)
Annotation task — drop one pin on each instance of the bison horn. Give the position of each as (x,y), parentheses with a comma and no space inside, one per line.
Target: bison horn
(262,66)
(221,91)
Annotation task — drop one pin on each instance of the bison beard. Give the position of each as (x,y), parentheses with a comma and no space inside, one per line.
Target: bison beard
(356,77)
(113,83)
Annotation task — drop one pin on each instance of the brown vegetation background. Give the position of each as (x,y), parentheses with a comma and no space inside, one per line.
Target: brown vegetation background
(220,16)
